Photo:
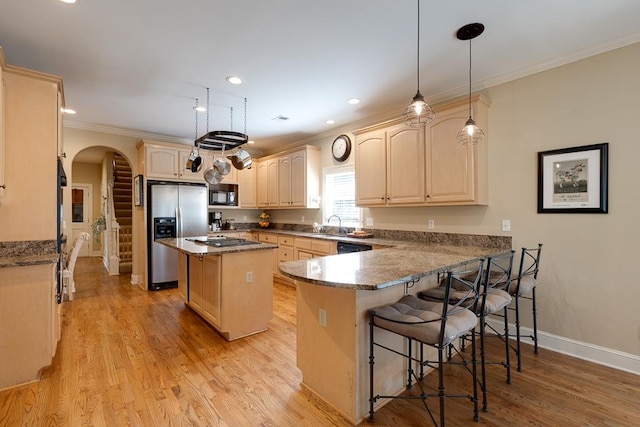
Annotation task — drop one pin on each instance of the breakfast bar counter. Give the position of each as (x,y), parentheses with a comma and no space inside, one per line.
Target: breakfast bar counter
(334,296)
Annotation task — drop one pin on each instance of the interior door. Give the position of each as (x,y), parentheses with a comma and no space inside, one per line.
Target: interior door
(81,213)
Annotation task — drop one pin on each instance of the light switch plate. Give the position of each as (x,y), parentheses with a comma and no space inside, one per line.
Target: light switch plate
(431,224)
(369,222)
(506,225)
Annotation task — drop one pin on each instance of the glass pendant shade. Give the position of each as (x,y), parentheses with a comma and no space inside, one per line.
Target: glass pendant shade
(418,113)
(470,134)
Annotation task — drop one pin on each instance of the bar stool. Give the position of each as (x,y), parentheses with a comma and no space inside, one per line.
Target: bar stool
(493,299)
(434,324)
(522,285)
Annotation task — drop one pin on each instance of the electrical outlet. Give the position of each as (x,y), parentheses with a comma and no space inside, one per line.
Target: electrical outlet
(369,222)
(244,218)
(506,225)
(431,224)
(249,277)
(322,317)
(302,218)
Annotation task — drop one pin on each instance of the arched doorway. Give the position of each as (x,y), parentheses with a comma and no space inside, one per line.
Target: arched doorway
(105,176)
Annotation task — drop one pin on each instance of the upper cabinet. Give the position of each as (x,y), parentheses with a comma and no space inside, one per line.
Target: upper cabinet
(390,166)
(457,174)
(397,165)
(30,128)
(2,183)
(247,197)
(290,179)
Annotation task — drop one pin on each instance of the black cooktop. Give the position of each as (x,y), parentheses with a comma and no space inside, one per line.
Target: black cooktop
(224,242)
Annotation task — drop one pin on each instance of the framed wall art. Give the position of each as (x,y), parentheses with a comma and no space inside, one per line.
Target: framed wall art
(138,193)
(573,180)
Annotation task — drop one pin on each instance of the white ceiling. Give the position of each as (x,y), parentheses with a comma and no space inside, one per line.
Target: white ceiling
(136,67)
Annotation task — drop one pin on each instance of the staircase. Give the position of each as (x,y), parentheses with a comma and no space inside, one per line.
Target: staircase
(122,202)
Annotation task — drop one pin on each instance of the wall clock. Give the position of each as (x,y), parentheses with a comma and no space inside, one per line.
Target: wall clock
(341,148)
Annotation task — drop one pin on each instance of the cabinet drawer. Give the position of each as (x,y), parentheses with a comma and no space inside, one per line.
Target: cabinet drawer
(285,254)
(302,243)
(323,247)
(268,238)
(285,240)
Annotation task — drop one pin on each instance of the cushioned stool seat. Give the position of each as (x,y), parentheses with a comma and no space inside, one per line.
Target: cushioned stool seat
(406,317)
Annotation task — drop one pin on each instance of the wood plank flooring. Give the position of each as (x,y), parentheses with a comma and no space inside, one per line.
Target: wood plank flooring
(131,357)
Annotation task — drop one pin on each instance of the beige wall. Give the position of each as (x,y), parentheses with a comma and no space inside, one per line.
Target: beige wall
(90,173)
(584,293)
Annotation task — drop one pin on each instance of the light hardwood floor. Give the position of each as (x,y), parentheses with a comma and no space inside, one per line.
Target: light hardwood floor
(131,357)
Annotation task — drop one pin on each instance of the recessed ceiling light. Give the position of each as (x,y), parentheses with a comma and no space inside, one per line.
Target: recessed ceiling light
(251,141)
(200,109)
(234,80)
(68,111)
(353,101)
(330,122)
(68,1)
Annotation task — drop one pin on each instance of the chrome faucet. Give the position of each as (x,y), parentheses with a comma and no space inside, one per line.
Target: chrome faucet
(339,222)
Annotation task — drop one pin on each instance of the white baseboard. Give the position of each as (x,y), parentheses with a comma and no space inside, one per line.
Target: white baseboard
(590,352)
(135,279)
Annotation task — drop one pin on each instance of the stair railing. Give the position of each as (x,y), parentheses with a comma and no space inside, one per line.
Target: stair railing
(111,248)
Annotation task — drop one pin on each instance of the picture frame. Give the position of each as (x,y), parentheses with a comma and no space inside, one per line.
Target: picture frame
(574,180)
(138,192)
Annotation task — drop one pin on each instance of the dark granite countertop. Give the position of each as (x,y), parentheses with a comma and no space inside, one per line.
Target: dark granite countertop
(28,252)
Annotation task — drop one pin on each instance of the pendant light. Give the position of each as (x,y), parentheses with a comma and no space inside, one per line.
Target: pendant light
(470,134)
(418,113)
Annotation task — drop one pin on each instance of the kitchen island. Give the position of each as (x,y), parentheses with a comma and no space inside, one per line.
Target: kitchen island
(230,287)
(334,296)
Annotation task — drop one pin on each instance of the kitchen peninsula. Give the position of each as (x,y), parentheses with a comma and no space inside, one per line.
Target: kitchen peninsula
(334,295)
(228,284)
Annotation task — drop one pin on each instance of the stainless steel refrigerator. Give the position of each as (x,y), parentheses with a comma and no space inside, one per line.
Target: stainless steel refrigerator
(174,210)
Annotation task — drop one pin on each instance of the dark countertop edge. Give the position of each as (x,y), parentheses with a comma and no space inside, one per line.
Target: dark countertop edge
(28,260)
(204,250)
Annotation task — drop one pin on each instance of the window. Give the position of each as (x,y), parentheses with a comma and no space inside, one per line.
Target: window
(340,195)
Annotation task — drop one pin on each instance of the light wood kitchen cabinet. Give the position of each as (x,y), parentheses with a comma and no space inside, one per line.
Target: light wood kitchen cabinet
(457,174)
(267,183)
(29,322)
(30,103)
(397,165)
(233,292)
(312,248)
(390,168)
(2,183)
(204,287)
(290,179)
(262,180)
(248,196)
(169,162)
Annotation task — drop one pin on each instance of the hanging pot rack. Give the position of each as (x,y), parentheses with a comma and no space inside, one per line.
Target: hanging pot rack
(221,139)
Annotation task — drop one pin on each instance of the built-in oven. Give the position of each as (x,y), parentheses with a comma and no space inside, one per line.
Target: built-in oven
(345,247)
(223,195)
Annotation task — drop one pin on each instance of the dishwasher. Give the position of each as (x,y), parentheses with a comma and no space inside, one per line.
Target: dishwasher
(345,248)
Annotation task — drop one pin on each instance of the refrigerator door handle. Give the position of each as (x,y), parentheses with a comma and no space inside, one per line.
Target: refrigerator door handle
(179,221)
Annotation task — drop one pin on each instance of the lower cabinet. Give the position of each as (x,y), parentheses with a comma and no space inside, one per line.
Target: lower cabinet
(233,292)
(312,248)
(29,322)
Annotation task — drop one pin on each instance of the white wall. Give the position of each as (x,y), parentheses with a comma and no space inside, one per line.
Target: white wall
(587,288)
